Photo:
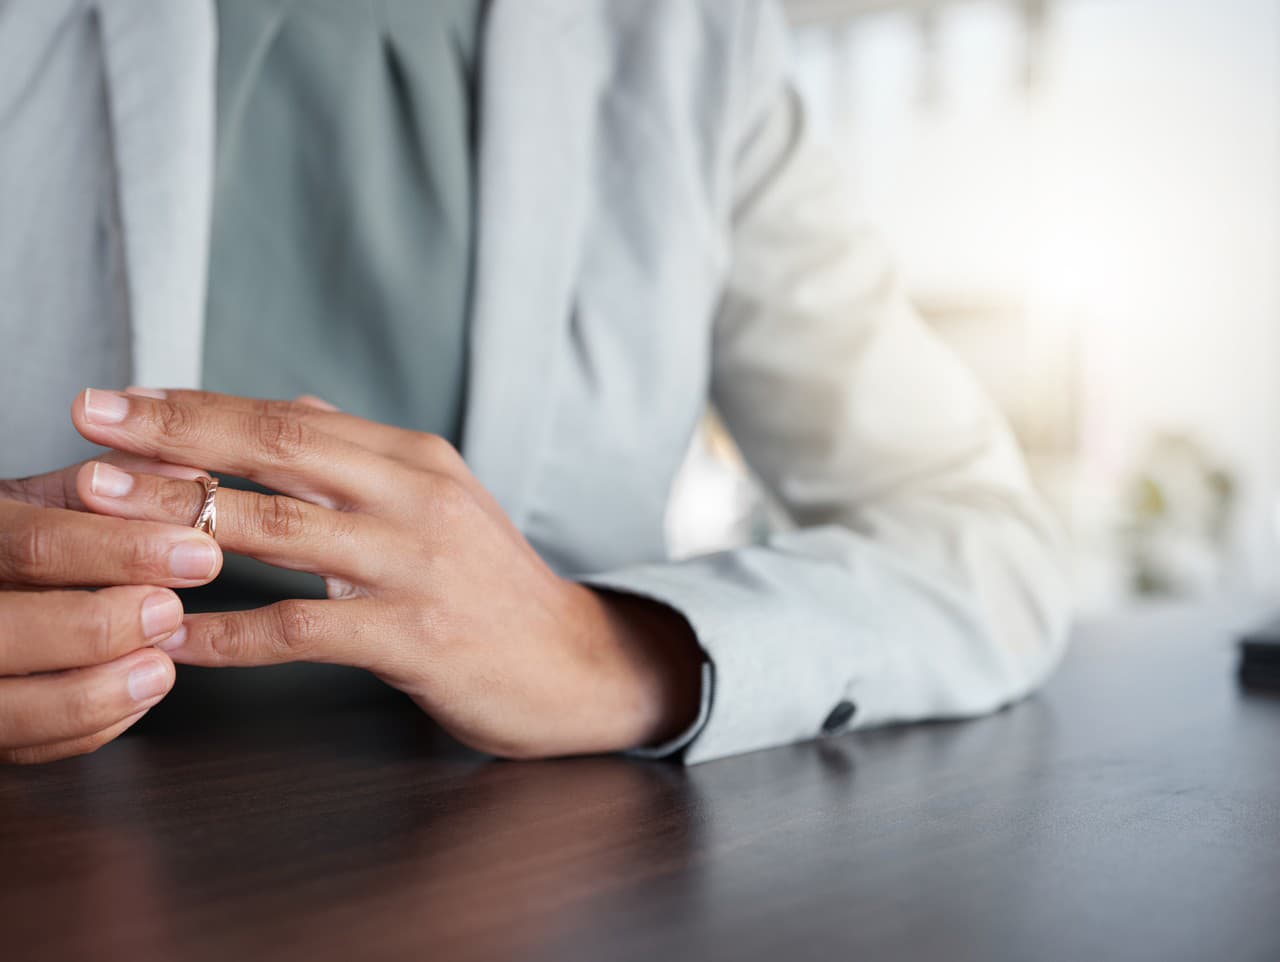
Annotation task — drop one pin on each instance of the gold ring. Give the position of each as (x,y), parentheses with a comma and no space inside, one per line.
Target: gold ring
(207,519)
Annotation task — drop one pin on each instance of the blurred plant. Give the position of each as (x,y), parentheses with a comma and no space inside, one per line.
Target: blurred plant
(1180,504)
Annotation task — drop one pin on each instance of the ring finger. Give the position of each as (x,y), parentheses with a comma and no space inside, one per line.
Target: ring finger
(276,529)
(279,451)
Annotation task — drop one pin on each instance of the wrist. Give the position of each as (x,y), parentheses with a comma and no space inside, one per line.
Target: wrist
(648,665)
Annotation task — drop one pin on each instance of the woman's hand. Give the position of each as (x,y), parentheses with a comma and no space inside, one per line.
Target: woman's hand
(430,585)
(77,667)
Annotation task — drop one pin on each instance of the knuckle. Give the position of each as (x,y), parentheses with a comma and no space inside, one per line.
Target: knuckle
(97,630)
(297,627)
(29,756)
(279,518)
(85,709)
(438,452)
(141,560)
(179,499)
(36,490)
(434,444)
(173,419)
(43,754)
(32,550)
(449,496)
(281,438)
(226,638)
(274,408)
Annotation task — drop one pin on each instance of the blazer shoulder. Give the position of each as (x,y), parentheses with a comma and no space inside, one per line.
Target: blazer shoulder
(714,58)
(719,30)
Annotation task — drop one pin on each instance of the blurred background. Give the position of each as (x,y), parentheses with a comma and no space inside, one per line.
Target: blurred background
(1084,196)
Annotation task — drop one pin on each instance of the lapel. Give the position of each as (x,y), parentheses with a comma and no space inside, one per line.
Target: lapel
(538,81)
(159,61)
(539,76)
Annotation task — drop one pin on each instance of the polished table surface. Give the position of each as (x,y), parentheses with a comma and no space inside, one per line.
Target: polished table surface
(1129,811)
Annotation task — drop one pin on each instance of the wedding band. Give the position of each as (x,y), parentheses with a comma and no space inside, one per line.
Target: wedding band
(207,519)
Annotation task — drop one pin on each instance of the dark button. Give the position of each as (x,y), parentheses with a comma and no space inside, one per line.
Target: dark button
(840,716)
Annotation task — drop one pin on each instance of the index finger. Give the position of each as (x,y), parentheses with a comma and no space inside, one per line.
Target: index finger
(414,448)
(273,448)
(55,547)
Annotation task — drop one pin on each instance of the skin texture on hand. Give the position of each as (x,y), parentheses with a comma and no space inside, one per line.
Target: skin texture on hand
(77,667)
(430,586)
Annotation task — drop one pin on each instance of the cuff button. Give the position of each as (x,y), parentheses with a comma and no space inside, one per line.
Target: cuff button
(839,718)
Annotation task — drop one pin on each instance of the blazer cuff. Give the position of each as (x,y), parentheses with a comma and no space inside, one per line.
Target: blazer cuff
(620,582)
(762,686)
(673,746)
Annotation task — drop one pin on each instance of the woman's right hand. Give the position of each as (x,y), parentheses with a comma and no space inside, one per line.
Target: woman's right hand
(77,667)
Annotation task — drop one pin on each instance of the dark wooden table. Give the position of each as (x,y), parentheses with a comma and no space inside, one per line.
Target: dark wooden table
(1130,811)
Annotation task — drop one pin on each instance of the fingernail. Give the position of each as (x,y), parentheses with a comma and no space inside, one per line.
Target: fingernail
(105,407)
(148,680)
(110,482)
(174,641)
(310,400)
(161,614)
(194,560)
(154,392)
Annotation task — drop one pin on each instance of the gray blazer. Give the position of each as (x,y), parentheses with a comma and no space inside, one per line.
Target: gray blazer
(656,233)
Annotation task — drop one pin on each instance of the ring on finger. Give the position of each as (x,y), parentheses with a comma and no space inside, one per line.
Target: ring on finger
(207,519)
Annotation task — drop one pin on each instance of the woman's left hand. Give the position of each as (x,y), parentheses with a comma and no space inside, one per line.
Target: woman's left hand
(430,586)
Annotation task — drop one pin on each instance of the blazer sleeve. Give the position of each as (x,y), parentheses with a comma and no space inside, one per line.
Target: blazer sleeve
(923,578)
